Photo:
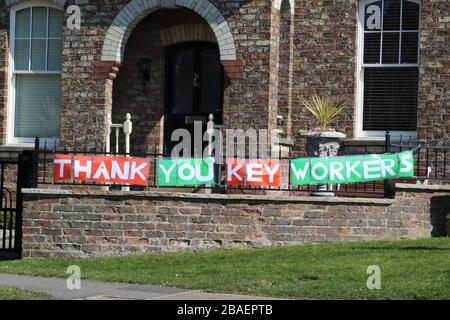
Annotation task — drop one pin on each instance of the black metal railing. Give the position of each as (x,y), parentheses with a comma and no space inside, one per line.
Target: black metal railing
(16,172)
(431,161)
(431,158)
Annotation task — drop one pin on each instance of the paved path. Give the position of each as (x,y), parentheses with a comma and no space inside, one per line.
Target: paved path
(96,290)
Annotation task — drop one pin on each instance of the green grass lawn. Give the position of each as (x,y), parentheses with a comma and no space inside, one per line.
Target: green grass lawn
(9,219)
(9,293)
(409,270)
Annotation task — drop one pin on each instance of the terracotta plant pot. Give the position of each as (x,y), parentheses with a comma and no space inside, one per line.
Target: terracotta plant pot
(323,145)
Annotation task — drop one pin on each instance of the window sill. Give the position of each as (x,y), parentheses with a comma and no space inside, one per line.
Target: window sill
(16,147)
(361,140)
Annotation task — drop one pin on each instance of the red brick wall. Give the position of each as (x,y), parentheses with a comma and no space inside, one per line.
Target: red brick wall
(324,63)
(285,72)
(324,59)
(247,99)
(434,77)
(103,224)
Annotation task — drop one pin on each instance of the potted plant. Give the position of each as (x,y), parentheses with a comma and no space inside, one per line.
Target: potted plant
(323,141)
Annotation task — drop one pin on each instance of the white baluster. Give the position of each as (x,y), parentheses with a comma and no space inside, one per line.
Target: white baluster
(108,132)
(127,130)
(117,139)
(210,134)
(108,138)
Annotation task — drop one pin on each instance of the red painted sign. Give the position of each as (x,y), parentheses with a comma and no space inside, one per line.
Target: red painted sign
(101,169)
(257,173)
(62,164)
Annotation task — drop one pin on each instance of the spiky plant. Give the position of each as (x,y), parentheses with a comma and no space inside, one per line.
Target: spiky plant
(325,109)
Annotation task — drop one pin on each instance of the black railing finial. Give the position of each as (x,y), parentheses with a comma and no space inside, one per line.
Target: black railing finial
(35,163)
(387,146)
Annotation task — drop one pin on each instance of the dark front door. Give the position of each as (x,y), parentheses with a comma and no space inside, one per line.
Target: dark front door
(194,89)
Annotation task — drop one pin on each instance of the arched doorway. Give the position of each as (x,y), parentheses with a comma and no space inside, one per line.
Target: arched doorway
(194,89)
(177,46)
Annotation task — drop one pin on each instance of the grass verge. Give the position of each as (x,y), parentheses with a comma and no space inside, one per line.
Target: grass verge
(409,270)
(10,293)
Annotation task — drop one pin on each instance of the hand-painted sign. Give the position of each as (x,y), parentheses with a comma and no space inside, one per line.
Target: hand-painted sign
(258,173)
(101,169)
(352,169)
(185,172)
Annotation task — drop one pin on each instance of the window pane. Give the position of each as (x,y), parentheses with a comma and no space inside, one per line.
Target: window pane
(410,46)
(21,54)
(39,22)
(391,20)
(54,55)
(55,24)
(38,101)
(372,16)
(23,23)
(372,47)
(391,47)
(411,15)
(390,99)
(38,52)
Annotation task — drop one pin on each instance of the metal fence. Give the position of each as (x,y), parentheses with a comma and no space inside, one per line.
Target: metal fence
(15,174)
(431,161)
(431,158)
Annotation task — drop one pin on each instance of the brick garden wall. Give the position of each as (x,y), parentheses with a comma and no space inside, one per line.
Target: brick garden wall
(67,223)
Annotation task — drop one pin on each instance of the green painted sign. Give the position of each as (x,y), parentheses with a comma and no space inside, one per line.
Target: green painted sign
(185,172)
(352,169)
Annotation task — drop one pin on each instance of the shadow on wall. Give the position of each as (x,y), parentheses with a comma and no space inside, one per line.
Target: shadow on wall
(440,208)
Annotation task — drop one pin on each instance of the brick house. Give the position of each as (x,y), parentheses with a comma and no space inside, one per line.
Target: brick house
(169,62)
(67,65)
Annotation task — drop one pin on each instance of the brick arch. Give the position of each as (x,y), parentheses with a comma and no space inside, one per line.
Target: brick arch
(187,32)
(60,3)
(277,5)
(124,23)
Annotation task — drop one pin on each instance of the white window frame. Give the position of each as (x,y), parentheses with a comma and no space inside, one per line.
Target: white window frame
(11,140)
(359,132)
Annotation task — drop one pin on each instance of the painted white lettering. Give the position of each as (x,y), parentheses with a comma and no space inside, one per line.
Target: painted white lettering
(167,172)
(351,169)
(322,166)
(78,168)
(137,170)
(272,171)
(102,171)
(186,167)
(208,177)
(116,171)
(254,172)
(234,172)
(335,170)
(406,163)
(299,172)
(387,168)
(372,172)
(62,164)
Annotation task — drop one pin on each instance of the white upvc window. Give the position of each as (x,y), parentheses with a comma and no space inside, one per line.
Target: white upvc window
(388,68)
(35,73)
